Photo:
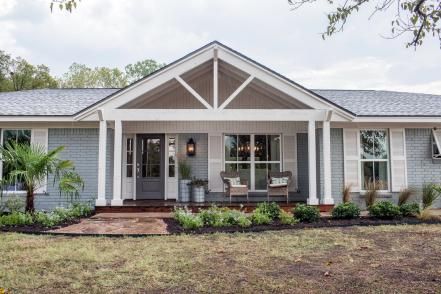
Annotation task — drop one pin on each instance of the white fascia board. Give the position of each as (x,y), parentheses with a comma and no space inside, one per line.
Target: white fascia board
(396,119)
(214,115)
(18,118)
(279,83)
(150,83)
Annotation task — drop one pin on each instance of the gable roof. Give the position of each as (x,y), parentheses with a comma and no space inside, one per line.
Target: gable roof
(385,103)
(49,102)
(68,102)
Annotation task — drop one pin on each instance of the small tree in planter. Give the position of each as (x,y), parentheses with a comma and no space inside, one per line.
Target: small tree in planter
(185,181)
(199,188)
(32,164)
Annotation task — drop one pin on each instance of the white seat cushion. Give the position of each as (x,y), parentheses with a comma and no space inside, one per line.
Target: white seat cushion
(282,180)
(238,186)
(233,181)
(277,185)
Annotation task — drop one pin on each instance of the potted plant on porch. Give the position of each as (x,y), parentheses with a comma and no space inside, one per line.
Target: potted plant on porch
(199,188)
(184,182)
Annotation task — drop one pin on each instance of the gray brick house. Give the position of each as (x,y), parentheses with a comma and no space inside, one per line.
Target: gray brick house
(242,116)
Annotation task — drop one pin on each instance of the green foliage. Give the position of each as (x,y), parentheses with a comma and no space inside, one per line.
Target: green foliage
(223,217)
(271,209)
(306,213)
(431,192)
(32,164)
(260,218)
(48,219)
(384,210)
(346,211)
(195,182)
(410,209)
(14,204)
(141,69)
(187,219)
(287,218)
(184,170)
(416,18)
(67,5)
(16,219)
(82,76)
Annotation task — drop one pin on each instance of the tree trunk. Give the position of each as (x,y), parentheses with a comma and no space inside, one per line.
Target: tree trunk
(30,201)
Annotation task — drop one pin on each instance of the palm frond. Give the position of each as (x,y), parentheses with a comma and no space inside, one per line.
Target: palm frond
(70,184)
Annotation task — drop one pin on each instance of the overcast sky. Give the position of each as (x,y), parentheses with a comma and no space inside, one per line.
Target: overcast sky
(114,33)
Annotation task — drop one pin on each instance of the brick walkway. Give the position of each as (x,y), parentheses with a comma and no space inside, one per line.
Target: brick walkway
(120,223)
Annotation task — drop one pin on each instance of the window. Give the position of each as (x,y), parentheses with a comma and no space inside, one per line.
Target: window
(129,163)
(171,157)
(374,157)
(253,156)
(436,141)
(21,137)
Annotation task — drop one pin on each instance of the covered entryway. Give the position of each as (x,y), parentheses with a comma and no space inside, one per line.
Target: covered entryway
(150,171)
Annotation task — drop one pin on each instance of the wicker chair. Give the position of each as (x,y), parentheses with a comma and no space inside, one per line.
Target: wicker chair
(234,190)
(279,190)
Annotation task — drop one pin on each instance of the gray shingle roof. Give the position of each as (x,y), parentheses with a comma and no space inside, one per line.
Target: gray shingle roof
(65,102)
(384,103)
(50,101)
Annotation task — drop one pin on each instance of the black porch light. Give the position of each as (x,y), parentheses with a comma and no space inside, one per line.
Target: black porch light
(191,147)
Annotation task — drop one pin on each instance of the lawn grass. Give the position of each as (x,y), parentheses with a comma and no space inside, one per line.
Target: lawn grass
(358,259)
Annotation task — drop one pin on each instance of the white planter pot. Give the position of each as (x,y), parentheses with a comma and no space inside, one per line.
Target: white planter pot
(184,190)
(198,194)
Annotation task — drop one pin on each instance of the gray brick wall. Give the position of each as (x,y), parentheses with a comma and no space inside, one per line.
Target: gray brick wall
(421,168)
(81,146)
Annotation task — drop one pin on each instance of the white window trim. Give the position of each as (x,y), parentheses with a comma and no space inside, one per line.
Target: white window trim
(6,192)
(252,163)
(436,138)
(360,160)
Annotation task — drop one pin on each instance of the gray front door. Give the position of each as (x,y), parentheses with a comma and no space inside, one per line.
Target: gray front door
(150,172)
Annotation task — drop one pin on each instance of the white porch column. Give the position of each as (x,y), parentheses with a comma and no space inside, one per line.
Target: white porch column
(327,195)
(101,200)
(117,158)
(312,199)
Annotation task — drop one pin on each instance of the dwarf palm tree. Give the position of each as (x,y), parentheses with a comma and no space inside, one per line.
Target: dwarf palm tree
(31,164)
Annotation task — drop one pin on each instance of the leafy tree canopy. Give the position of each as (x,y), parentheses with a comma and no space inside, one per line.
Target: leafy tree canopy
(415,19)
(141,69)
(17,74)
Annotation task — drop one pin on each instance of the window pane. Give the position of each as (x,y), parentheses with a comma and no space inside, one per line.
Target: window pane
(381,175)
(129,171)
(9,136)
(229,167)
(154,158)
(367,174)
(231,148)
(245,172)
(367,144)
(171,150)
(260,174)
(171,171)
(260,148)
(129,144)
(274,148)
(380,144)
(274,167)
(244,148)
(24,137)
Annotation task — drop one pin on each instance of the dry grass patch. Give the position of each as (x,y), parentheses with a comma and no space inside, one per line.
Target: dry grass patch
(388,258)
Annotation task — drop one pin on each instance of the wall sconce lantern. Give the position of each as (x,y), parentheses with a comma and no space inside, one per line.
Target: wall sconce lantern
(191,147)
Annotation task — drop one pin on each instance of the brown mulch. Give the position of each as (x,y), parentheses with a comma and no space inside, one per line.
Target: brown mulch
(325,222)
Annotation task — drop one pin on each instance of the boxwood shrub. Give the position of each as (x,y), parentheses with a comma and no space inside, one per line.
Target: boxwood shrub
(346,211)
(384,210)
(306,213)
(410,209)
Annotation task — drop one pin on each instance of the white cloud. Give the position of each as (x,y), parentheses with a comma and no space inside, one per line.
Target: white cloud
(115,33)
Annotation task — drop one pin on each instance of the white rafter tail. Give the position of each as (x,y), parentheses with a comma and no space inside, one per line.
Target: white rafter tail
(215,79)
(237,92)
(193,92)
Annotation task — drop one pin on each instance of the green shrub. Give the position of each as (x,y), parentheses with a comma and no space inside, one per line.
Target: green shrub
(79,210)
(48,219)
(410,209)
(212,217)
(431,192)
(271,209)
(346,211)
(16,219)
(259,218)
(384,210)
(187,219)
(306,213)
(244,222)
(14,204)
(287,218)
